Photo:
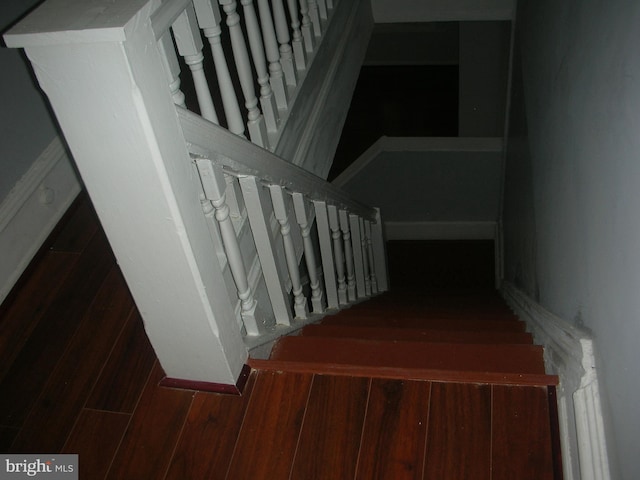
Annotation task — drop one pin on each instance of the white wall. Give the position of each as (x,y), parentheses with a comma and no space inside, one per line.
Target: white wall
(572,227)
(26,127)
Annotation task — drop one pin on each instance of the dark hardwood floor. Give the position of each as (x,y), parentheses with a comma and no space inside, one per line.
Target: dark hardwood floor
(78,375)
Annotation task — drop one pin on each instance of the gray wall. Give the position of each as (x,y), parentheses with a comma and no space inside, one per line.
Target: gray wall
(26,127)
(572,221)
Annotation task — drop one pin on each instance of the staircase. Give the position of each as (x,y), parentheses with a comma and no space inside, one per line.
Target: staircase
(489,404)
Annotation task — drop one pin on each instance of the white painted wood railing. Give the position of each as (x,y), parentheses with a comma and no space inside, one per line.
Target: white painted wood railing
(268,69)
(224,245)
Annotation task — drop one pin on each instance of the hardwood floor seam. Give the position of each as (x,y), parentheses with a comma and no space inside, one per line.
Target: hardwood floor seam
(304,417)
(364,423)
(178,437)
(426,432)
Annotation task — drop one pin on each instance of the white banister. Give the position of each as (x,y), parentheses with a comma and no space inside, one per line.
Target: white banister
(314,16)
(276,75)
(306,28)
(267,101)
(336,235)
(358,257)
(187,35)
(365,257)
(380,258)
(209,19)
(280,209)
(171,68)
(348,255)
(256,122)
(305,219)
(214,186)
(326,253)
(297,42)
(257,202)
(283,38)
(369,249)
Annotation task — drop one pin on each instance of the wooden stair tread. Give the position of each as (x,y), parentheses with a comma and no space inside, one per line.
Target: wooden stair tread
(417,334)
(522,359)
(427,323)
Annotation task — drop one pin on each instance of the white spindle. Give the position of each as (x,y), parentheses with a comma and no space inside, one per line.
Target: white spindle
(365,258)
(187,35)
(358,254)
(336,235)
(372,268)
(171,68)
(267,100)
(306,27)
(330,4)
(280,211)
(314,15)
(380,256)
(276,75)
(299,52)
(305,220)
(214,185)
(255,199)
(322,8)
(282,34)
(256,122)
(209,19)
(326,253)
(348,255)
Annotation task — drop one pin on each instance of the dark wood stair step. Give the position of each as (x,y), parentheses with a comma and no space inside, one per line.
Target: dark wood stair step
(417,334)
(427,323)
(447,362)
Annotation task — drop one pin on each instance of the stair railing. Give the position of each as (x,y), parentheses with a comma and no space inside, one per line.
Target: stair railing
(209,229)
(263,76)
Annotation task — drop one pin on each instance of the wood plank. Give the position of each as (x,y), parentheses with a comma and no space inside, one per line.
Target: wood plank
(459,436)
(214,421)
(416,334)
(24,307)
(7,435)
(271,427)
(504,358)
(521,443)
(395,431)
(71,381)
(95,438)
(120,384)
(78,229)
(330,437)
(427,323)
(490,378)
(49,340)
(153,431)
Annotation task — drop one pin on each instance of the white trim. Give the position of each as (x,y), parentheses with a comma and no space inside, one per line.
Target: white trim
(569,353)
(32,209)
(418,144)
(440,230)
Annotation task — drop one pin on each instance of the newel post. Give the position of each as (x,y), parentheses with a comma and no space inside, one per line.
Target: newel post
(103,73)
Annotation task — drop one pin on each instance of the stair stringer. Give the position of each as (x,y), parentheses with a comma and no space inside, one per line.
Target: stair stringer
(569,353)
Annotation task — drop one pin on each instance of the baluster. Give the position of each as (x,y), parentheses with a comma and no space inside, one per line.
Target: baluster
(302,216)
(305,27)
(276,75)
(372,268)
(326,253)
(358,257)
(214,185)
(322,9)
(187,35)
(365,258)
(255,200)
(209,18)
(280,211)
(171,68)
(282,33)
(267,100)
(348,255)
(379,253)
(314,15)
(256,123)
(299,52)
(330,4)
(336,235)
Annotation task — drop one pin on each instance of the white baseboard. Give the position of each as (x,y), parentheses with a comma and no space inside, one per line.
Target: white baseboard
(440,230)
(32,209)
(569,354)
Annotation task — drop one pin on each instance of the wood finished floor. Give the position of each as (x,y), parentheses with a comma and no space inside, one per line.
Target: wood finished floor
(78,375)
